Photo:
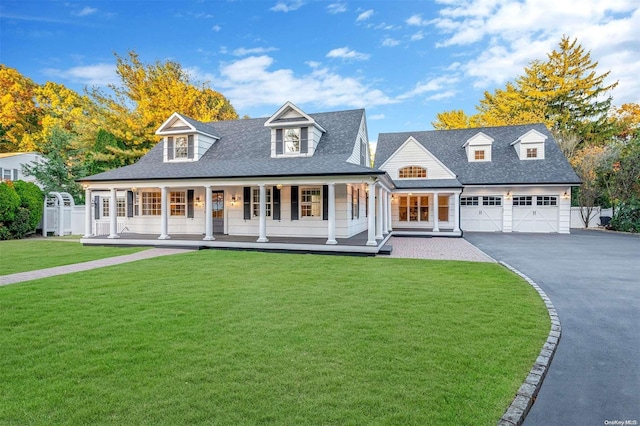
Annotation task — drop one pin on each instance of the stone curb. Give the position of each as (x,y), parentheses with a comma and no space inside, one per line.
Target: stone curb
(526,395)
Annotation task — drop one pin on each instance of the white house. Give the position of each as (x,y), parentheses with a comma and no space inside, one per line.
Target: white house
(299,181)
(11,165)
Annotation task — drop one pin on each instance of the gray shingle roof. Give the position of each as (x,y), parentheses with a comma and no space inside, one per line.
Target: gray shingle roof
(201,127)
(244,150)
(505,166)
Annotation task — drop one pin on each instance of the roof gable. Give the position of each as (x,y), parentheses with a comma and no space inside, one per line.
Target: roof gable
(532,136)
(413,153)
(289,114)
(478,139)
(180,124)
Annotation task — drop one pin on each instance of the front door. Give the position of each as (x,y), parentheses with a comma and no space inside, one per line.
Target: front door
(218,211)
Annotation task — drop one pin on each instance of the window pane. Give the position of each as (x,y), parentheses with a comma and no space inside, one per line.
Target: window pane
(292,141)
(181,147)
(177,203)
(151,203)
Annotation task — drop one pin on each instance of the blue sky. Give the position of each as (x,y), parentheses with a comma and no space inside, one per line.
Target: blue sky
(404,61)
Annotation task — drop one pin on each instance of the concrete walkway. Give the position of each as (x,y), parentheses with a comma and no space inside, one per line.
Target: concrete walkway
(85,266)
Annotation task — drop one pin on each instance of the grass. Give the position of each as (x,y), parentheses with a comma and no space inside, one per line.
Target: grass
(243,338)
(35,253)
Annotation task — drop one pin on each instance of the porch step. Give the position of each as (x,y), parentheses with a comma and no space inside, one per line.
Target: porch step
(385,250)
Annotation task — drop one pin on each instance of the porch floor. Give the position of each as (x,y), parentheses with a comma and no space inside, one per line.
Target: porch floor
(354,245)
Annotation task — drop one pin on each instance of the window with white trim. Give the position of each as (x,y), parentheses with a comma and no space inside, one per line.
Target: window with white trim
(413,208)
(522,200)
(468,201)
(178,203)
(478,154)
(311,202)
(291,141)
(255,202)
(181,147)
(121,206)
(412,172)
(532,152)
(491,201)
(547,200)
(151,203)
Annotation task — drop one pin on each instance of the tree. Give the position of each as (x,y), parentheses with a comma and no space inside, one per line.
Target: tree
(626,120)
(574,96)
(509,107)
(149,94)
(60,169)
(19,114)
(620,172)
(586,163)
(455,119)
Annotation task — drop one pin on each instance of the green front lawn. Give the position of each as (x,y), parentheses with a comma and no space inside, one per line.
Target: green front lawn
(32,254)
(242,338)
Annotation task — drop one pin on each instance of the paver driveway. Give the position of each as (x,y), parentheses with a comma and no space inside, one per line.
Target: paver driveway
(593,279)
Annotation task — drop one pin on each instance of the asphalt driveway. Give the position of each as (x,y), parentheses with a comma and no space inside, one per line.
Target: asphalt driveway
(593,279)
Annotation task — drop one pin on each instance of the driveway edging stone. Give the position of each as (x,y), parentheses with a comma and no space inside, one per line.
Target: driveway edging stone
(526,395)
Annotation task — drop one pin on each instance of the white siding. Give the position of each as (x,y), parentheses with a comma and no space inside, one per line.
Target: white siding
(354,158)
(414,154)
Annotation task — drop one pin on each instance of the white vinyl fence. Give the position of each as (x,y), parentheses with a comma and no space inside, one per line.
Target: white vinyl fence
(594,219)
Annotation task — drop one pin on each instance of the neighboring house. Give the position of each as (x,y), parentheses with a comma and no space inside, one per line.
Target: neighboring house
(11,165)
(495,179)
(298,181)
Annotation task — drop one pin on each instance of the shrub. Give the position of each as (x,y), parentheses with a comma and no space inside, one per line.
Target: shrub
(9,202)
(32,199)
(627,216)
(21,226)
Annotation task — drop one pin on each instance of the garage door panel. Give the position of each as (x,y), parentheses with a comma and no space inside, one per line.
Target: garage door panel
(530,216)
(480,217)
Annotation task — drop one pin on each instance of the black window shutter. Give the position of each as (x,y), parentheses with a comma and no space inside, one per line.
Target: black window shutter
(279,148)
(170,148)
(358,203)
(129,203)
(325,202)
(275,193)
(96,201)
(247,202)
(363,153)
(15,174)
(294,203)
(304,140)
(190,147)
(190,203)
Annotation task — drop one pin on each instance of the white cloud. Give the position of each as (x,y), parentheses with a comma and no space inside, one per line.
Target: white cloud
(442,95)
(390,42)
(376,117)
(98,74)
(87,11)
(433,85)
(517,32)
(417,36)
(365,15)
(253,51)
(287,6)
(334,8)
(416,20)
(251,82)
(346,53)
(216,28)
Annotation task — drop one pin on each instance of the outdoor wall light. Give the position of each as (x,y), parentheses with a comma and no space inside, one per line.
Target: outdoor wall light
(134,189)
(508,196)
(279,186)
(234,199)
(565,195)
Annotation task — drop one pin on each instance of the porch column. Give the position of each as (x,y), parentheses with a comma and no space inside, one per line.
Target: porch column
(263,215)
(113,214)
(87,214)
(389,199)
(379,215)
(436,227)
(208,214)
(331,231)
(371,220)
(164,216)
(456,212)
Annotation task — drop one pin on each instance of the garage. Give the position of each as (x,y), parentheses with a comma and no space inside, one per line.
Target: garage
(535,213)
(481,213)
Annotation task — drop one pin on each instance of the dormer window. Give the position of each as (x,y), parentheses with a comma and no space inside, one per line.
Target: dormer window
(530,146)
(412,172)
(180,148)
(478,147)
(292,141)
(478,154)
(532,152)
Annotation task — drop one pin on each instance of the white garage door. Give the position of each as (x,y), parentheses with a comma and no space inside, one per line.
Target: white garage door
(535,213)
(483,214)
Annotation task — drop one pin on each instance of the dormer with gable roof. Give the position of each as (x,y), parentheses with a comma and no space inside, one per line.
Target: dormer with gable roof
(185,139)
(530,146)
(293,132)
(478,147)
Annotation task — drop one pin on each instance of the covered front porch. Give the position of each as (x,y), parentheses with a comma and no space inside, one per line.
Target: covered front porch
(356,244)
(426,212)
